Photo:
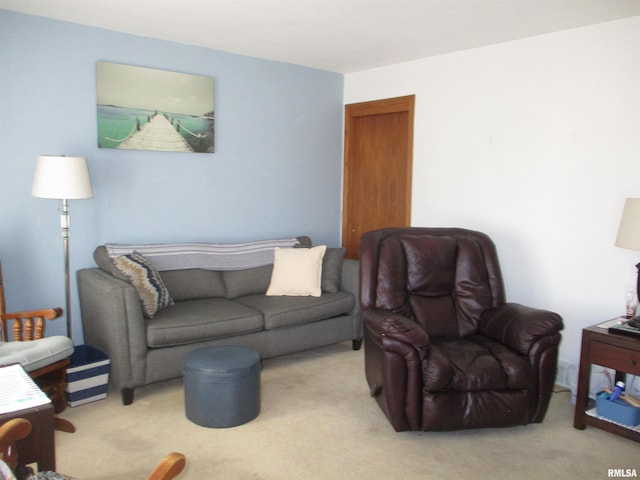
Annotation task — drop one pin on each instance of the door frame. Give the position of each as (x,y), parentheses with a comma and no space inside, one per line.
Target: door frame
(377,107)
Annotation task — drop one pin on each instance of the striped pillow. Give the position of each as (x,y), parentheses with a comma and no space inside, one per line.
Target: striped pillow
(145,278)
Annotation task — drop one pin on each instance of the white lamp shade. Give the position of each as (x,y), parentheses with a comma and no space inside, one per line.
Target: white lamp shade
(61,177)
(629,231)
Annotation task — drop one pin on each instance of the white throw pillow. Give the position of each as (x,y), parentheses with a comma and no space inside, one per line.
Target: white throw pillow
(297,271)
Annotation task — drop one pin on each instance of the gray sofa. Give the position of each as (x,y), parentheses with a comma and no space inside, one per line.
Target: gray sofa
(211,307)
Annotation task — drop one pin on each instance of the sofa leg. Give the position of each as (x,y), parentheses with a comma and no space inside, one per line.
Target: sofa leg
(127,396)
(356,344)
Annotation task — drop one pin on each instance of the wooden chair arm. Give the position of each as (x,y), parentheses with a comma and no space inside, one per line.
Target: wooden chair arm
(48,313)
(28,325)
(11,432)
(170,466)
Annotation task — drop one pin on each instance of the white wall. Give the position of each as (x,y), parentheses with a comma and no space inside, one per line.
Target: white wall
(537,143)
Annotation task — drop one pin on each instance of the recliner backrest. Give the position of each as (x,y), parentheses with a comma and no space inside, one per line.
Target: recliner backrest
(442,278)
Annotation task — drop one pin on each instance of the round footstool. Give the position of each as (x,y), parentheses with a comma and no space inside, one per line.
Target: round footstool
(222,386)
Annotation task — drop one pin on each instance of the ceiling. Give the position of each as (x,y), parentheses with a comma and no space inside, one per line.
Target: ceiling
(342,36)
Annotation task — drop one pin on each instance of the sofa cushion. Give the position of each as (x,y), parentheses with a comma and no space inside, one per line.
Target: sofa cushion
(249,281)
(285,311)
(297,271)
(332,269)
(147,281)
(199,320)
(194,283)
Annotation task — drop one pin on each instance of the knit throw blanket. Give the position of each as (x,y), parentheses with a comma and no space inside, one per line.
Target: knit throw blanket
(208,256)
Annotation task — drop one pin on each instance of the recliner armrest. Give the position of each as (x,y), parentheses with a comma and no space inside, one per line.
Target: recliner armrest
(399,328)
(400,345)
(519,326)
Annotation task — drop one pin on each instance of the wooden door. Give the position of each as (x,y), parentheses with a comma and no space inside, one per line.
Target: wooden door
(378,156)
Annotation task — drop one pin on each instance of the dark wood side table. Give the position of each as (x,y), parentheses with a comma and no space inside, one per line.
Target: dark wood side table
(39,445)
(620,352)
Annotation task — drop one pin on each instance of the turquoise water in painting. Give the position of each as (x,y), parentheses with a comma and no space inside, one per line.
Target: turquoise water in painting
(116,124)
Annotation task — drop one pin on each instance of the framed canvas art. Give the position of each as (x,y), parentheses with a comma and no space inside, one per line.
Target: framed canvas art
(148,109)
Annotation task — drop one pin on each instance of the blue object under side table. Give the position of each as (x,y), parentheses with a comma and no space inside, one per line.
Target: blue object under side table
(222,386)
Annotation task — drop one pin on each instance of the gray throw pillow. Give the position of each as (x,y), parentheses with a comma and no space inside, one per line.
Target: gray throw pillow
(332,269)
(106,263)
(250,281)
(194,283)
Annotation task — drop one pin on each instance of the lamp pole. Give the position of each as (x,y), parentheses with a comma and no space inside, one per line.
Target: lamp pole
(64,222)
(63,178)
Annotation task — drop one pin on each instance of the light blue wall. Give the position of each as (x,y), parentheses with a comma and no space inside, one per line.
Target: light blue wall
(276,172)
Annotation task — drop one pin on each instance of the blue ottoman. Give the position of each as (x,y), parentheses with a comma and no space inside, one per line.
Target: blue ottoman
(222,386)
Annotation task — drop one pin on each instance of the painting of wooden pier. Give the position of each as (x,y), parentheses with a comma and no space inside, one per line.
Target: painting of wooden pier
(147,109)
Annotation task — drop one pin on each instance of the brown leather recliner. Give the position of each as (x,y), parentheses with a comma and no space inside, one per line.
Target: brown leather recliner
(443,349)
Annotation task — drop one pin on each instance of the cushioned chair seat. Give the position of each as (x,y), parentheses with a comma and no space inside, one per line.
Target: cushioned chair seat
(36,354)
(474,363)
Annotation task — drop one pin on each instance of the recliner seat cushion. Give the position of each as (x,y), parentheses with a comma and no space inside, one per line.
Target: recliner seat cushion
(280,312)
(199,320)
(473,364)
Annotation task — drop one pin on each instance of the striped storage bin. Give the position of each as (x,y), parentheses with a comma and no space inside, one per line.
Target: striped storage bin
(87,376)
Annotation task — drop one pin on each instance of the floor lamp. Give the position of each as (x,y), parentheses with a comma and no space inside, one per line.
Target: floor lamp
(629,231)
(63,178)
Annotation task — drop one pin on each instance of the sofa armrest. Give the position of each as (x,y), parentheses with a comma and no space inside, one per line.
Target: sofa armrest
(350,279)
(112,321)
(350,282)
(519,326)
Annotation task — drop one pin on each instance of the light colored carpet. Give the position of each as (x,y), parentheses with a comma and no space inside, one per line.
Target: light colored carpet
(317,421)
